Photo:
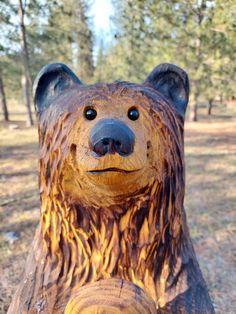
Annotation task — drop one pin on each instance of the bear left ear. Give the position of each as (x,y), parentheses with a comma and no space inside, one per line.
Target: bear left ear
(173,83)
(52,80)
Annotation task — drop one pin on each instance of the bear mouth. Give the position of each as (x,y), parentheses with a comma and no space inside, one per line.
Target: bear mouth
(118,170)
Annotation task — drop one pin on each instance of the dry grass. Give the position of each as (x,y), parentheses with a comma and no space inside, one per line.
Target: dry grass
(210,203)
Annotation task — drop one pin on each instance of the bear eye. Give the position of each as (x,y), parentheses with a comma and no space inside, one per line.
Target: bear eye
(90,113)
(133,114)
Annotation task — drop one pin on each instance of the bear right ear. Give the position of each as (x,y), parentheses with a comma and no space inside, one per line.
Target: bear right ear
(51,81)
(173,83)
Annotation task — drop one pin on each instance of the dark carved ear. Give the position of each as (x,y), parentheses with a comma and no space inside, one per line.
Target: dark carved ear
(172,82)
(50,82)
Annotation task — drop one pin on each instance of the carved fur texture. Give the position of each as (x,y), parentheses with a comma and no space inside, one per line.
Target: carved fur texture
(128,224)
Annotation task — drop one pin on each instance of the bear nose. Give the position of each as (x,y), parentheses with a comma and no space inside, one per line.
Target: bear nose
(112,136)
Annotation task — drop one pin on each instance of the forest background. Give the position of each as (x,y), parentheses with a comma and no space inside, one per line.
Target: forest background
(198,35)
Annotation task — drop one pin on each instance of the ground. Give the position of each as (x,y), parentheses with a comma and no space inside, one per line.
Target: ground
(210,147)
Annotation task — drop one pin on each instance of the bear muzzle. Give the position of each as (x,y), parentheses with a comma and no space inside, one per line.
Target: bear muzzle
(110,136)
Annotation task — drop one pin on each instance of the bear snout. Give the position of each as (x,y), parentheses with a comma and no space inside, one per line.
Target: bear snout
(110,136)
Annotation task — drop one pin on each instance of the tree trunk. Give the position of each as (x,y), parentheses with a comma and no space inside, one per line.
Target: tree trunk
(3,101)
(25,59)
(193,117)
(198,50)
(210,105)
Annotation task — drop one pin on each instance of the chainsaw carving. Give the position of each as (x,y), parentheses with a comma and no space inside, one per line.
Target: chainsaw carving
(112,236)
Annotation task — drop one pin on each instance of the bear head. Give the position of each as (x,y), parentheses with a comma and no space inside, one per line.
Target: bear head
(107,142)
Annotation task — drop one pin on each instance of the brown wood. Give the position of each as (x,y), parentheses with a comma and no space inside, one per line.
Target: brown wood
(110,296)
(112,212)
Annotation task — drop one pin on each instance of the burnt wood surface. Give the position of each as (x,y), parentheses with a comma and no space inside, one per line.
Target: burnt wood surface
(111,182)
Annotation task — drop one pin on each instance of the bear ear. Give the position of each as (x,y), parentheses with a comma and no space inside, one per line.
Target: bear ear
(173,83)
(51,81)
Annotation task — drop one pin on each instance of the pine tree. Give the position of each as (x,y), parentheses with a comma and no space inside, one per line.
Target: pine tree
(100,73)
(131,45)
(83,38)
(71,37)
(198,35)
(5,13)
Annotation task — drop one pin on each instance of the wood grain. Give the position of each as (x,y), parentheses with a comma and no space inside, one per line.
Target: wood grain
(95,226)
(110,296)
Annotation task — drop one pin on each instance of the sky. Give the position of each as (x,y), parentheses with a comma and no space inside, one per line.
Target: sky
(101,12)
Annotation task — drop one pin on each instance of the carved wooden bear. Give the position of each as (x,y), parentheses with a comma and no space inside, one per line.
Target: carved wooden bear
(112,236)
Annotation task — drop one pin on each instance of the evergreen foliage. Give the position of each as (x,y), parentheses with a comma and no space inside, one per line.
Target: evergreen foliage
(198,35)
